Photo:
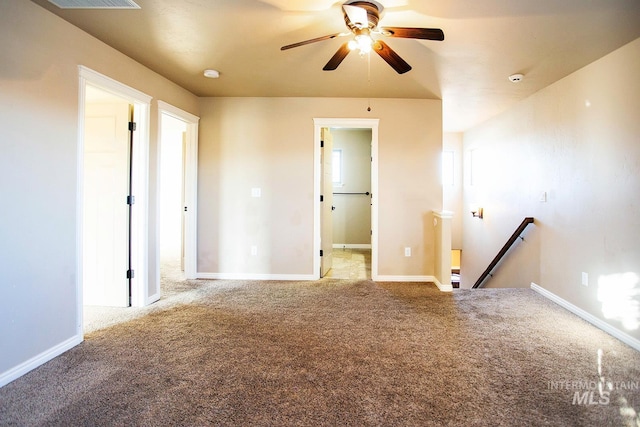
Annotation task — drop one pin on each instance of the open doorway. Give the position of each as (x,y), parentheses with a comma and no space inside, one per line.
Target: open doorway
(172,180)
(370,126)
(111,199)
(176,252)
(351,183)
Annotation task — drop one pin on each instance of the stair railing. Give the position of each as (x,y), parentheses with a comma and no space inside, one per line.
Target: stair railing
(528,220)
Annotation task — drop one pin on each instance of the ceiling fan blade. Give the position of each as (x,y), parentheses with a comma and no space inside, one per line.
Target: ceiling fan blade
(317,39)
(337,58)
(357,15)
(391,57)
(414,33)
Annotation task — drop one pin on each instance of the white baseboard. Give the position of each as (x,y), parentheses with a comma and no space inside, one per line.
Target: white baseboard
(303,277)
(443,287)
(426,279)
(598,323)
(40,359)
(352,245)
(254,276)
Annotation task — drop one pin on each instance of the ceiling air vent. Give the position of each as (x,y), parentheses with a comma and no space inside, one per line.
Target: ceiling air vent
(95,4)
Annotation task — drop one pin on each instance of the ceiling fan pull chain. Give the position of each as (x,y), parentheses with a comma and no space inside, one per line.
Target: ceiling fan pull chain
(369,80)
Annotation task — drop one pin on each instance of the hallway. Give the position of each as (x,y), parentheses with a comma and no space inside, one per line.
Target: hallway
(351,264)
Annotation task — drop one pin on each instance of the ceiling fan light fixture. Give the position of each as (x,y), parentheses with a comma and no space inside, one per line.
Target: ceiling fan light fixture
(361,18)
(364,43)
(361,42)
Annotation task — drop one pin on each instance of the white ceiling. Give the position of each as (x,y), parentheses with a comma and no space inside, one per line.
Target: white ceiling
(485,42)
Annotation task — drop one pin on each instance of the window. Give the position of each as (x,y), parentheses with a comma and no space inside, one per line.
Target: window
(336,166)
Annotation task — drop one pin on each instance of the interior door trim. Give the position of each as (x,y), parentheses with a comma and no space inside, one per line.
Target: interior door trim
(140,220)
(354,123)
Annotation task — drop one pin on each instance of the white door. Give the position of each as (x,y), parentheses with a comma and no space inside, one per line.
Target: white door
(106,212)
(326,206)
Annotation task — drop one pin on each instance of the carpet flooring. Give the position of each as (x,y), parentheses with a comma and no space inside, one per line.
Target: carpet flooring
(335,352)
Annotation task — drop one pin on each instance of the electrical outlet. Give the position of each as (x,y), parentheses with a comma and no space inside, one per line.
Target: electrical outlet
(407,251)
(254,250)
(585,279)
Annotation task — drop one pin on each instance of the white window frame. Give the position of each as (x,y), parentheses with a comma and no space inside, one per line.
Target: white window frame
(337,167)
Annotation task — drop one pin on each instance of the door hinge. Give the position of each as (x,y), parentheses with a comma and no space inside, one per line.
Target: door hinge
(130,274)
(321,198)
(321,253)
(131,200)
(132,126)
(185,208)
(321,144)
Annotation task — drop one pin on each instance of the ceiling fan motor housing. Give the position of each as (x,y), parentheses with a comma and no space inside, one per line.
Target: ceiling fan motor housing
(373,15)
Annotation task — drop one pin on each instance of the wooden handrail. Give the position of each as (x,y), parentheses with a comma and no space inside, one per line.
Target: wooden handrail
(528,220)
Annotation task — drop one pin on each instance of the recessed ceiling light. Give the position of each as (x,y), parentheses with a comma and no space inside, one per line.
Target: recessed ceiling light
(95,4)
(515,78)
(212,74)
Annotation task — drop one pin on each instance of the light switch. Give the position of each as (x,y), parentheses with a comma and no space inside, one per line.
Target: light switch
(256,192)
(543,197)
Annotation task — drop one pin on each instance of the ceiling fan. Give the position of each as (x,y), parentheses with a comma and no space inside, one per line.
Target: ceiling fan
(362,19)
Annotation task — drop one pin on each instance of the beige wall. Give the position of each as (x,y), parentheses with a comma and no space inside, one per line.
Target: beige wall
(578,141)
(40,54)
(352,216)
(267,143)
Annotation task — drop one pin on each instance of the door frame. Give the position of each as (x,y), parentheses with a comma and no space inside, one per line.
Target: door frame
(140,183)
(354,123)
(190,189)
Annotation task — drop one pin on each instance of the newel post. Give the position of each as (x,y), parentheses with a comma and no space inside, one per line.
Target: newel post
(442,226)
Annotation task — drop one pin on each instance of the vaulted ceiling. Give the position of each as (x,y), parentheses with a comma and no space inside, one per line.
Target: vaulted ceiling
(485,42)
